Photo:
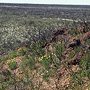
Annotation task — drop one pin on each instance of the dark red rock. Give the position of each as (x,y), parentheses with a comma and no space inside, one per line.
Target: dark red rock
(85,36)
(73,42)
(57,32)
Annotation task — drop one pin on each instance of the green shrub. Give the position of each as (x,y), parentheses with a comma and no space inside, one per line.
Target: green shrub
(22,51)
(55,61)
(28,61)
(12,55)
(85,73)
(85,65)
(76,78)
(2,88)
(46,61)
(59,49)
(88,41)
(36,49)
(49,61)
(12,64)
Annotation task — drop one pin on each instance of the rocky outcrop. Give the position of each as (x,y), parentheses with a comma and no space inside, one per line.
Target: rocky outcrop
(85,36)
(76,59)
(73,42)
(85,28)
(77,41)
(68,65)
(57,32)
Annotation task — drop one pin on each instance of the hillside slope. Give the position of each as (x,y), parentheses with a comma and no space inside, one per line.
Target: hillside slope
(63,63)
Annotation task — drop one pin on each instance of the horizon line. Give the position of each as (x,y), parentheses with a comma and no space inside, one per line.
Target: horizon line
(43,3)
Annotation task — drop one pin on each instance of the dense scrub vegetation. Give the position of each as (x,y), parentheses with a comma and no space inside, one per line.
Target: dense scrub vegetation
(21,24)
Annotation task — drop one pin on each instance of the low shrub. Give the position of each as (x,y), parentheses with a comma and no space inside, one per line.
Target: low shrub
(59,49)
(13,54)
(28,61)
(45,61)
(12,64)
(49,61)
(22,51)
(36,49)
(88,41)
(76,78)
(85,65)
